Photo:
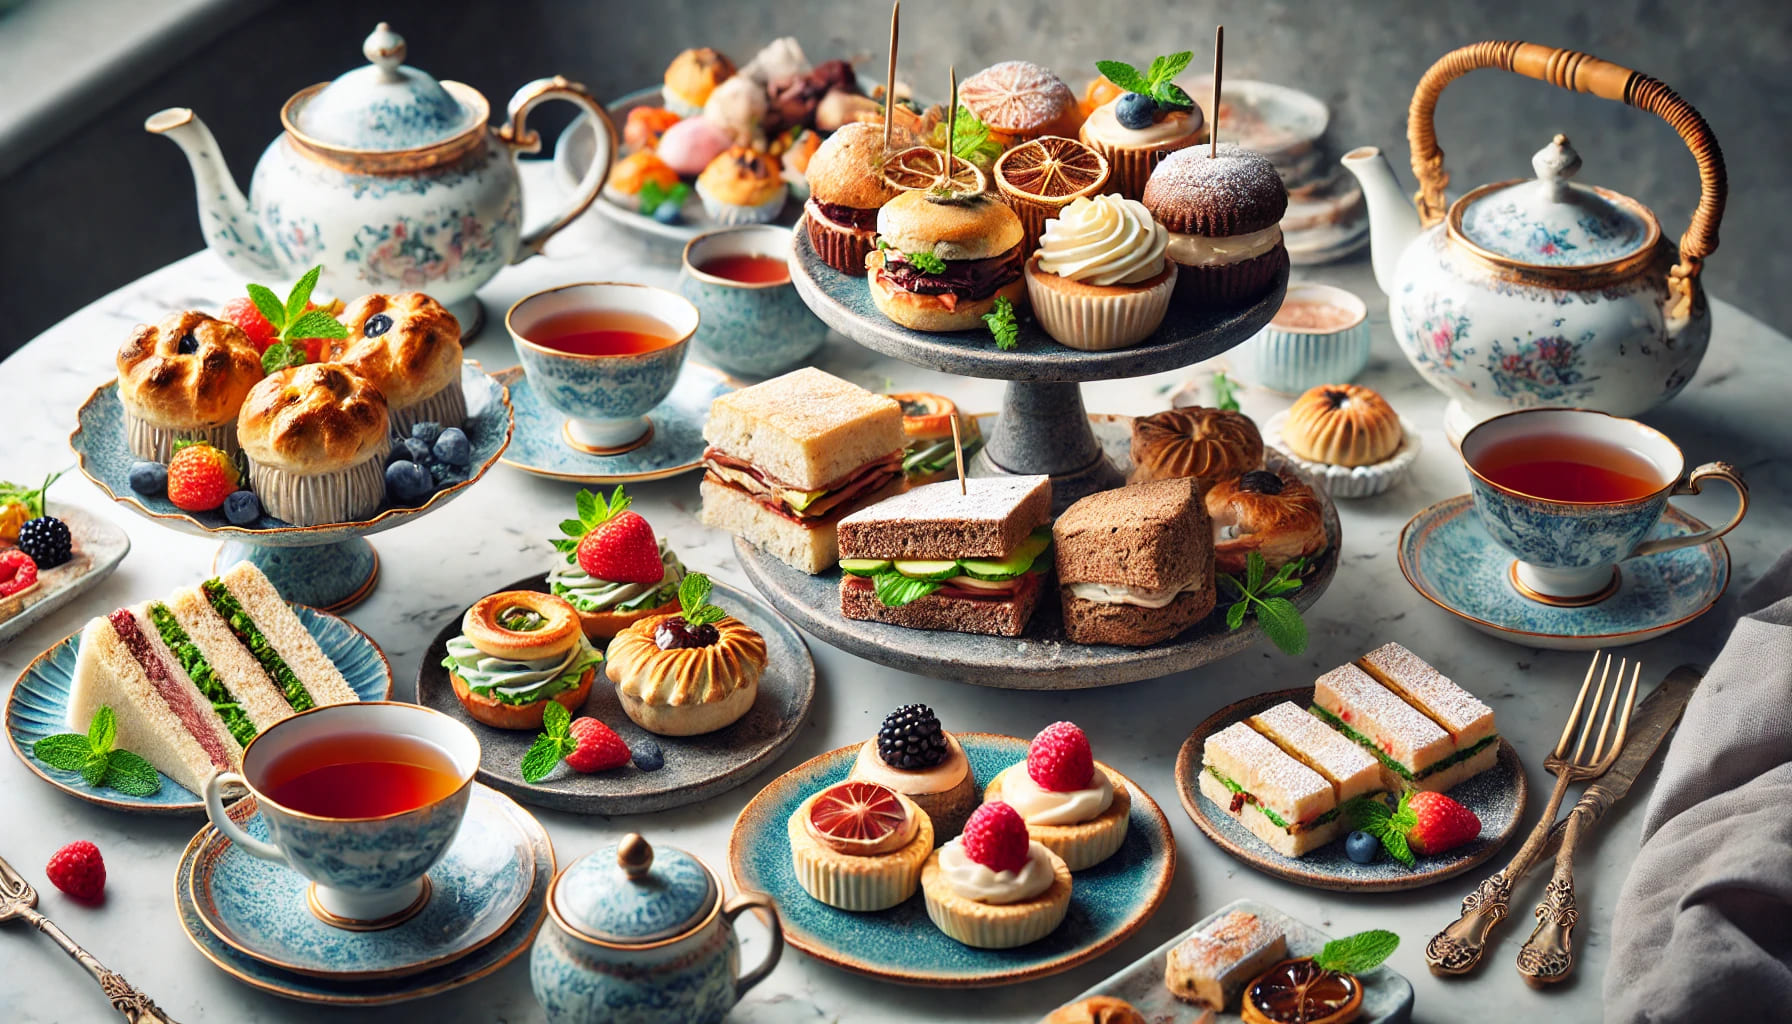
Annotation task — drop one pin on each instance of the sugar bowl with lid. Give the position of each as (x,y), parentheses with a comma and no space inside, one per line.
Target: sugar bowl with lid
(639,936)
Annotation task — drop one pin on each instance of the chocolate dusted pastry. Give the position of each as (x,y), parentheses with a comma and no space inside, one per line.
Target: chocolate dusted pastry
(1223,211)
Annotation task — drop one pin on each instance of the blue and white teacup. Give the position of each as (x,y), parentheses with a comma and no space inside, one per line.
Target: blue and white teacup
(1568,551)
(605,398)
(1320,335)
(753,330)
(363,870)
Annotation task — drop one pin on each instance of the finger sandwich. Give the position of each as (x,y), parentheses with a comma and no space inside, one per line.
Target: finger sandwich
(1291,803)
(1211,967)
(1135,564)
(1427,732)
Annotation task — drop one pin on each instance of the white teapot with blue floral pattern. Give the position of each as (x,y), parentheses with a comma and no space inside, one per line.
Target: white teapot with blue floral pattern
(1542,291)
(390,179)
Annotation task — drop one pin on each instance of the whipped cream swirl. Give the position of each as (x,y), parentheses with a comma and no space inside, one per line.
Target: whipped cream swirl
(517,680)
(1103,241)
(1038,806)
(977,882)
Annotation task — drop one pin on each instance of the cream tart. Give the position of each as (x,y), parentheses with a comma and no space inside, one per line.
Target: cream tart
(690,672)
(1072,804)
(859,846)
(993,887)
(912,755)
(517,650)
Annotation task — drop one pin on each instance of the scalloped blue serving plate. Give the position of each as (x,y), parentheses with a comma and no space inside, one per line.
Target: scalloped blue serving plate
(676,446)
(1108,902)
(38,707)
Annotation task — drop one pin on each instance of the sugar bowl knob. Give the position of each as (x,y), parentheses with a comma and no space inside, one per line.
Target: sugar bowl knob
(384,48)
(635,856)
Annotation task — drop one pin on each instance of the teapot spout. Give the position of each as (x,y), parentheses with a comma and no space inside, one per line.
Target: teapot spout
(225,218)
(1393,223)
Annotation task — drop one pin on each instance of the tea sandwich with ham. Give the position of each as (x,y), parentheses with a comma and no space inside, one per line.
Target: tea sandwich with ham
(194,676)
(938,557)
(789,458)
(1427,732)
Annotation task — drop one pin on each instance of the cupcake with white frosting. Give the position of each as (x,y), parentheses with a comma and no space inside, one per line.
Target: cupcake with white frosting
(1100,279)
(1075,806)
(993,887)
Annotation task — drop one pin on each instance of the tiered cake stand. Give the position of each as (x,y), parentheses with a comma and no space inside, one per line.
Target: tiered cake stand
(1042,428)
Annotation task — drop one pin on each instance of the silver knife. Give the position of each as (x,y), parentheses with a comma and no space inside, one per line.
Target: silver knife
(1649,726)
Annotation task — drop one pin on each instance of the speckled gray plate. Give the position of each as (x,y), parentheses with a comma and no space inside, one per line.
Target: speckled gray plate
(1497,796)
(697,767)
(1039,659)
(1387,995)
(98,548)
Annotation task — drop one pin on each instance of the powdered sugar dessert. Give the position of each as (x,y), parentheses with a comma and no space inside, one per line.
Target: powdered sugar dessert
(1223,210)
(1019,100)
(1074,805)
(1100,279)
(1211,967)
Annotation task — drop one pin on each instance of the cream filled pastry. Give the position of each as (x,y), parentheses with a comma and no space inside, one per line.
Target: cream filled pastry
(1075,806)
(993,887)
(912,755)
(1202,251)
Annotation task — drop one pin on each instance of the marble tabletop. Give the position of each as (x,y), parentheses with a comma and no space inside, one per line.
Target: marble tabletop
(434,567)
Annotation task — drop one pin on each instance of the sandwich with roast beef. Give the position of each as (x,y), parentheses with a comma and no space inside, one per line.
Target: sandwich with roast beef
(846,189)
(942,261)
(936,557)
(787,459)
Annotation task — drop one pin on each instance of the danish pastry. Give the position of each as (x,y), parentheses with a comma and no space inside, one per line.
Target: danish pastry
(1271,513)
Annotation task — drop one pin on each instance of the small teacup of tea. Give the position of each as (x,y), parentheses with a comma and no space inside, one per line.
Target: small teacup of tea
(1320,335)
(362,799)
(603,354)
(1572,493)
(753,322)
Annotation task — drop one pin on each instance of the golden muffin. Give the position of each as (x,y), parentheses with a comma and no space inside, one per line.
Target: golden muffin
(316,437)
(407,346)
(184,378)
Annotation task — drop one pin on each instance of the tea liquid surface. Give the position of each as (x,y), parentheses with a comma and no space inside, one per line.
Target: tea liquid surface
(602,332)
(1566,467)
(747,269)
(360,775)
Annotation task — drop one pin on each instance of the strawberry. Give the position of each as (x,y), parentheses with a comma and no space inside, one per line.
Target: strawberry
(1059,759)
(200,477)
(1443,824)
(241,311)
(614,544)
(78,870)
(599,749)
(996,837)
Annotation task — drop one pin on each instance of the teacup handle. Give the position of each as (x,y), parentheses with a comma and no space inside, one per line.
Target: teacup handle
(520,139)
(1709,471)
(760,904)
(214,809)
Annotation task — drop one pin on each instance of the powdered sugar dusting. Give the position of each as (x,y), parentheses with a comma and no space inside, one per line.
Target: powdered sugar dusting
(1016,94)
(1231,185)
(988,499)
(1231,940)
(1318,741)
(1375,710)
(1274,778)
(1455,708)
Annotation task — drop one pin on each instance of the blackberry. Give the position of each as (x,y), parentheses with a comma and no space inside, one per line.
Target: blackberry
(47,541)
(911,738)
(675,634)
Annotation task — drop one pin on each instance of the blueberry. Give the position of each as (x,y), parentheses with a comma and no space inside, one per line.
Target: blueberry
(408,483)
(149,477)
(426,431)
(453,448)
(648,755)
(1135,110)
(242,507)
(444,474)
(669,213)
(417,451)
(398,452)
(376,325)
(187,345)
(1362,847)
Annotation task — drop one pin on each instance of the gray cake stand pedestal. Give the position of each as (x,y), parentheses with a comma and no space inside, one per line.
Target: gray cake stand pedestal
(1042,427)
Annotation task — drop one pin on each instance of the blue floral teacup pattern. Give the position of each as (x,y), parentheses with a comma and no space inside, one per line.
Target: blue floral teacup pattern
(749,329)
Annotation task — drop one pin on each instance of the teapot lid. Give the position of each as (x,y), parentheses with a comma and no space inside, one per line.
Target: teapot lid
(386,105)
(1551,221)
(626,894)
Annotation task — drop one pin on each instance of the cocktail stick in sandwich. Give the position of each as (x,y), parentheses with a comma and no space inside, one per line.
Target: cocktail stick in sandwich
(1135,564)
(942,261)
(788,458)
(1427,732)
(927,422)
(935,558)
(1293,803)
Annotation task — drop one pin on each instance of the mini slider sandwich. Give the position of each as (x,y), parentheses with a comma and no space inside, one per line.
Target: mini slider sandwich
(1427,732)
(934,558)
(941,263)
(1285,776)
(789,457)
(927,422)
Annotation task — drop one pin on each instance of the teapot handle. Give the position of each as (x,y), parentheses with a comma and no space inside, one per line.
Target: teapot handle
(520,139)
(1579,72)
(762,905)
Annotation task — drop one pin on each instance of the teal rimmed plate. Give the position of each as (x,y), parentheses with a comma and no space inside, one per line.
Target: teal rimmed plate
(1108,902)
(511,943)
(676,446)
(38,707)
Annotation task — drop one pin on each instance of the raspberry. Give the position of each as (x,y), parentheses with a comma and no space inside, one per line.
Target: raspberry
(1443,824)
(996,837)
(17,572)
(599,749)
(200,477)
(1059,759)
(622,549)
(78,870)
(242,312)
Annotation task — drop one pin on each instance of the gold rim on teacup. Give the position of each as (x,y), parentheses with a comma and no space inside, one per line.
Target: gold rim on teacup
(785,234)
(521,339)
(1469,463)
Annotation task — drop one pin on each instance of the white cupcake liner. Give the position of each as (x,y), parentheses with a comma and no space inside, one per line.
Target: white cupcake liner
(447,407)
(848,883)
(1351,481)
(317,499)
(156,444)
(1100,323)
(994,931)
(730,214)
(678,104)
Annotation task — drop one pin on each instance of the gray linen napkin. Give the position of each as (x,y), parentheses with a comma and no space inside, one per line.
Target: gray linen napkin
(1703,929)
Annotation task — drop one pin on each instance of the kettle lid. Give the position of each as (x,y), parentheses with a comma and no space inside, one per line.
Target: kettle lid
(387,105)
(627,894)
(1552,221)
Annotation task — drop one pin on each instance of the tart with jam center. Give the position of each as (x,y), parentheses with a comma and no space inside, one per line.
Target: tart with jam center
(690,672)
(859,846)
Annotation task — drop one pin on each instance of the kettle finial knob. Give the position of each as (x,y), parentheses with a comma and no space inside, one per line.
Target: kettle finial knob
(635,855)
(1556,162)
(385,49)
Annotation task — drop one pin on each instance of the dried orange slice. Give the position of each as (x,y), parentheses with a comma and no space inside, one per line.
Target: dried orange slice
(857,817)
(1300,992)
(1051,169)
(921,168)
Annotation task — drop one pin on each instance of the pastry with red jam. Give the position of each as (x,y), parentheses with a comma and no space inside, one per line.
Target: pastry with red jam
(859,846)
(914,756)
(690,672)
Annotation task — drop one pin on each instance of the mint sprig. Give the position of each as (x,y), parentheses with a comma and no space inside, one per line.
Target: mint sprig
(925,262)
(653,195)
(1225,392)
(554,743)
(970,139)
(693,598)
(1256,595)
(1370,815)
(1359,953)
(94,757)
(292,322)
(1004,326)
(30,497)
(1156,82)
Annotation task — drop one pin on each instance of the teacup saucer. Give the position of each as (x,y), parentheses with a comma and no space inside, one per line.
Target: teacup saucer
(260,909)
(539,444)
(1449,558)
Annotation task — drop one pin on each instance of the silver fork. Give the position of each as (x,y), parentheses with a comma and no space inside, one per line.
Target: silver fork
(1458,948)
(19,900)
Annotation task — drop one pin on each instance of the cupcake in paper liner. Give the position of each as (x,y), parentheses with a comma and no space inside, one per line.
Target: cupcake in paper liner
(316,437)
(857,874)
(407,345)
(1133,153)
(184,378)
(742,186)
(1223,210)
(1101,279)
